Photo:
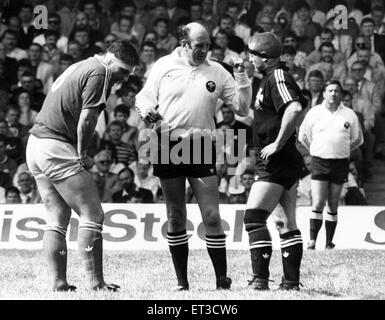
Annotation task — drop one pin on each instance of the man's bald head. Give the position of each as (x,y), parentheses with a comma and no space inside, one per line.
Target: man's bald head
(194,31)
(195,42)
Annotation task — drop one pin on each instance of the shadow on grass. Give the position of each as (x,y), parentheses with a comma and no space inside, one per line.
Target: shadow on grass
(322,292)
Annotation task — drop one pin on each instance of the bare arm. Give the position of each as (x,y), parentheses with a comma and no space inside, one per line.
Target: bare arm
(85,130)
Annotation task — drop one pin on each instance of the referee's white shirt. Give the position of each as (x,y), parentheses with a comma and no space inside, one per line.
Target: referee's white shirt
(330,135)
(187,95)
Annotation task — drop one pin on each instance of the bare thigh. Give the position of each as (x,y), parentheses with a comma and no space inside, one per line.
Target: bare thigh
(80,193)
(264,196)
(319,194)
(174,194)
(285,219)
(58,211)
(206,192)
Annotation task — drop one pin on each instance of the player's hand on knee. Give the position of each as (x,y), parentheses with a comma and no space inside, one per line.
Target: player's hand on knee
(86,161)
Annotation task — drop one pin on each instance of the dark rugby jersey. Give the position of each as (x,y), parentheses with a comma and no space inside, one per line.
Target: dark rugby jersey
(83,85)
(276,91)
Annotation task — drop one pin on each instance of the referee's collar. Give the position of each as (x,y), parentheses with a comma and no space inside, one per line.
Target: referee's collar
(177,54)
(270,70)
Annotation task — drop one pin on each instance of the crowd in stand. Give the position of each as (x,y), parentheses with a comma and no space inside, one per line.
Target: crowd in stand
(315,50)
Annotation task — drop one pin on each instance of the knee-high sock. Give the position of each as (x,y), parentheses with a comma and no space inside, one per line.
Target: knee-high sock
(260,251)
(90,243)
(216,247)
(178,245)
(330,226)
(292,250)
(55,248)
(315,224)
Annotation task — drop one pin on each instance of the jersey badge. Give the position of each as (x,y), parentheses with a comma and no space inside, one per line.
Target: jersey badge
(346,125)
(210,85)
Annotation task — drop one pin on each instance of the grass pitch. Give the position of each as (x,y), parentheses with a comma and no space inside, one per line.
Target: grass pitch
(145,275)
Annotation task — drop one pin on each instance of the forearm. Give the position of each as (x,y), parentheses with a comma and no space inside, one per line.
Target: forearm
(290,120)
(244,93)
(85,130)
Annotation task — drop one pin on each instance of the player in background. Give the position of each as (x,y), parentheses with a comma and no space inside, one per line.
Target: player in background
(57,157)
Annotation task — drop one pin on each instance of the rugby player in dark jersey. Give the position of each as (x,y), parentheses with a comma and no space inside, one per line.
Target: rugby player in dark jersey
(277,112)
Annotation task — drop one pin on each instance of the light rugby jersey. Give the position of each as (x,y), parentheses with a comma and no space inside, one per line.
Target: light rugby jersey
(187,95)
(331,135)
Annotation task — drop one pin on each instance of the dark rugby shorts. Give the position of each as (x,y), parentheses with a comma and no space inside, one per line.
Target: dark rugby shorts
(171,170)
(283,168)
(332,170)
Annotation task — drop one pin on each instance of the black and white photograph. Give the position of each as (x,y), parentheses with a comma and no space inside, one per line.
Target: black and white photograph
(190,158)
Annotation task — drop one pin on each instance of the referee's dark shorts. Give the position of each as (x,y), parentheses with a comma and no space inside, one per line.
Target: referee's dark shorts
(201,168)
(331,170)
(283,168)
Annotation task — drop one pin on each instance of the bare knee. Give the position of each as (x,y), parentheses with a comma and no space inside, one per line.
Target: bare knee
(95,215)
(211,218)
(176,218)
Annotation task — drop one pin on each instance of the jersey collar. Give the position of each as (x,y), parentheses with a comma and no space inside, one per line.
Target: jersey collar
(270,70)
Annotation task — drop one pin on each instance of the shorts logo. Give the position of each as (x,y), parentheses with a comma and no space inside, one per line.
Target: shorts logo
(210,85)
(346,125)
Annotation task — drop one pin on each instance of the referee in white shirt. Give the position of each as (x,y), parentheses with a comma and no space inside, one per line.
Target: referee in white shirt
(182,90)
(330,131)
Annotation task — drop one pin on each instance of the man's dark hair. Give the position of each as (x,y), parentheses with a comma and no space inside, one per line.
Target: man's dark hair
(36,45)
(249,172)
(24,63)
(115,123)
(28,74)
(160,19)
(122,108)
(345,93)
(225,16)
(327,30)
(128,170)
(126,18)
(66,57)
(10,32)
(49,33)
(331,82)
(125,51)
(302,4)
(256,28)
(224,32)
(316,74)
(378,8)
(12,189)
(288,50)
(367,20)
(148,44)
(125,89)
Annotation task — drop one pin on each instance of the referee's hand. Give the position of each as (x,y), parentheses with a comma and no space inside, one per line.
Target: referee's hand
(237,64)
(153,115)
(86,161)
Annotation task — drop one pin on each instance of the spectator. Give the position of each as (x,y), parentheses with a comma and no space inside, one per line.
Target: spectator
(222,40)
(241,29)
(291,39)
(148,56)
(247,180)
(125,31)
(75,51)
(88,49)
(50,52)
(288,56)
(110,181)
(7,164)
(315,56)
(12,195)
(9,67)
(377,41)
(9,41)
(65,61)
(27,30)
(28,82)
(327,65)
(315,83)
(108,40)
(28,191)
(23,102)
(42,70)
(174,14)
(237,195)
(125,153)
(126,177)
(130,134)
(14,147)
(16,129)
(227,24)
(166,40)
(144,180)
(360,42)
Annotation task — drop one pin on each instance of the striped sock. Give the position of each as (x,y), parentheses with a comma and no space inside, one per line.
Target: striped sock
(55,248)
(178,244)
(330,226)
(90,243)
(315,224)
(292,250)
(260,251)
(216,247)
